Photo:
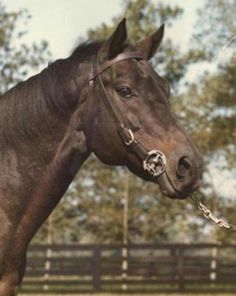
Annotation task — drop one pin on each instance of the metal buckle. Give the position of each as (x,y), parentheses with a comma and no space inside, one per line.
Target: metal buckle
(155,163)
(131,140)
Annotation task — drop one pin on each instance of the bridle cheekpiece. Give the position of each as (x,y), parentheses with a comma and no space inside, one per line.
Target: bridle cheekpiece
(154,161)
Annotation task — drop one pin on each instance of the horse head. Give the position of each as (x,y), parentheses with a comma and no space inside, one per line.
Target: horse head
(129,121)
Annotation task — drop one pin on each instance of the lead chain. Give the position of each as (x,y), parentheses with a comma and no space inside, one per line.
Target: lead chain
(208,214)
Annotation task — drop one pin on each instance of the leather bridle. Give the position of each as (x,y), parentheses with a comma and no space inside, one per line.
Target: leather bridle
(154,161)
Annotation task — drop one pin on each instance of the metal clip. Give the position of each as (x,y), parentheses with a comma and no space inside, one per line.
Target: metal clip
(131,139)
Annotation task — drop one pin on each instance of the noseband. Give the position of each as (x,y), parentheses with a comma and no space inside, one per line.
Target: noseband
(154,161)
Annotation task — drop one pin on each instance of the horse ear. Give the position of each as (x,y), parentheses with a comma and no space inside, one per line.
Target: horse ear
(115,44)
(149,45)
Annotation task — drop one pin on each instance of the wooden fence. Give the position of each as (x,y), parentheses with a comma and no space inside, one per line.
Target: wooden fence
(140,268)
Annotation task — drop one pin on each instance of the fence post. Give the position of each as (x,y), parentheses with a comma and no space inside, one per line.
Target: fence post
(124,267)
(173,264)
(47,266)
(180,268)
(97,269)
(213,265)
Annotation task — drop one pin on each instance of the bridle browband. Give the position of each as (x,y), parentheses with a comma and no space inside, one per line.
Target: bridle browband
(154,161)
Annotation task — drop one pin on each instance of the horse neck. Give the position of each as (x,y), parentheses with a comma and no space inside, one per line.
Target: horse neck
(60,87)
(35,114)
(62,84)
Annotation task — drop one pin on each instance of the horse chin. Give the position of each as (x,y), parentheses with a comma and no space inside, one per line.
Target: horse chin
(168,189)
(163,181)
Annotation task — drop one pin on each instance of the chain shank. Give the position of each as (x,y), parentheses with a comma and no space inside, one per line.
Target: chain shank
(208,215)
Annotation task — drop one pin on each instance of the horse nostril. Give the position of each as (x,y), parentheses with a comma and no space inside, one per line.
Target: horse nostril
(184,167)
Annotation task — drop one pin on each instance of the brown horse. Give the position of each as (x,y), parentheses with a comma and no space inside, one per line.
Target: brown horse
(105,98)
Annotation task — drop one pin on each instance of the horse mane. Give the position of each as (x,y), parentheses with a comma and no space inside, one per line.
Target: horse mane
(86,49)
(25,108)
(22,109)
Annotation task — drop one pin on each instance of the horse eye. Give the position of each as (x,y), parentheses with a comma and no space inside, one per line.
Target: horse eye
(125,92)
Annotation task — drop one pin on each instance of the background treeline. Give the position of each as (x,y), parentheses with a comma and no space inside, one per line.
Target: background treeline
(92,209)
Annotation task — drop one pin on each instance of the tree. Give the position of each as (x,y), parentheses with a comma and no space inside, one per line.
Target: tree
(16,58)
(213,107)
(218,26)
(210,103)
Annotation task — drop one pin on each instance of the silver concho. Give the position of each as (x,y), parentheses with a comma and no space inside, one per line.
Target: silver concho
(155,163)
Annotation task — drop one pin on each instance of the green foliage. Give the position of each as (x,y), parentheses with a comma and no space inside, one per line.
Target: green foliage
(16,58)
(143,18)
(210,102)
(211,106)
(215,27)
